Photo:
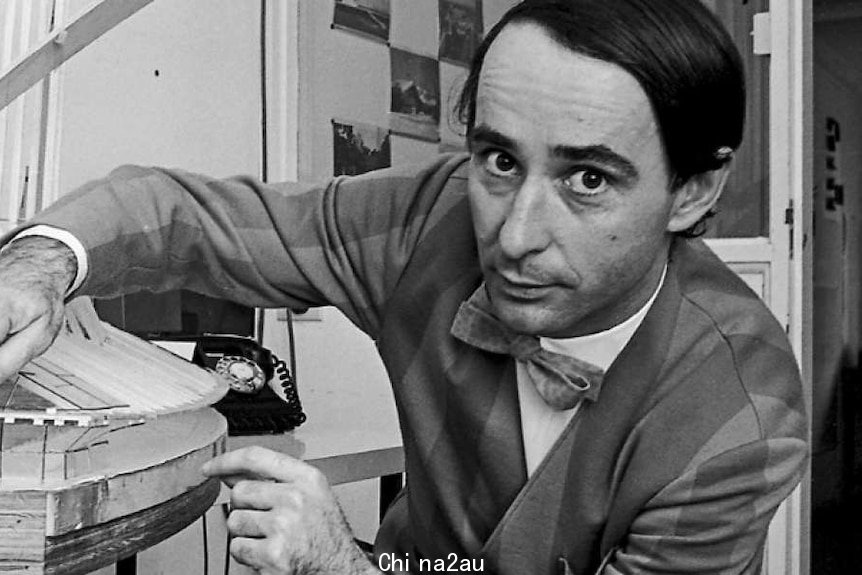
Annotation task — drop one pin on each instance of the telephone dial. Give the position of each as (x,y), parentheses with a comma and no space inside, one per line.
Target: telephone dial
(263,397)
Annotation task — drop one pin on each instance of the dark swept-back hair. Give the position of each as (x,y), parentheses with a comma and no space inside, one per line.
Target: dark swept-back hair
(677,50)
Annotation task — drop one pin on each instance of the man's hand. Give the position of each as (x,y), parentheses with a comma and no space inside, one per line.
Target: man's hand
(284,518)
(34,275)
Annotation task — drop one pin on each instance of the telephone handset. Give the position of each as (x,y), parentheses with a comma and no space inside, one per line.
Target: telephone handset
(263,397)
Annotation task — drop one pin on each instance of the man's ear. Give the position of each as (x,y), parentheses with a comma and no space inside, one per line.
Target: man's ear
(696,197)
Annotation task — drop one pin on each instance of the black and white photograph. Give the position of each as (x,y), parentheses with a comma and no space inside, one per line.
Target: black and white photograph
(319,286)
(415,106)
(460,30)
(369,18)
(358,148)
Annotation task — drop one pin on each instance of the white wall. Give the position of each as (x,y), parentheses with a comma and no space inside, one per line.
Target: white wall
(177,84)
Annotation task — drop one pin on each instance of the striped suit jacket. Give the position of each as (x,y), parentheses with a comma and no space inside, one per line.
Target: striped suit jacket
(698,434)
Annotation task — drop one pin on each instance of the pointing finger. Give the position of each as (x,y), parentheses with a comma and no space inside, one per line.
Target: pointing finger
(257,463)
(231,480)
(262,495)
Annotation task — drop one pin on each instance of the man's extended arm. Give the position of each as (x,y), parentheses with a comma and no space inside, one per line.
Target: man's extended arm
(344,243)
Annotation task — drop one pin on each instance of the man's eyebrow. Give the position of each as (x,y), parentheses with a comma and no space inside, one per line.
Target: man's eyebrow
(599,154)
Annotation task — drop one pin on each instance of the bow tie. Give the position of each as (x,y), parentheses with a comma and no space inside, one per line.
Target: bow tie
(560,379)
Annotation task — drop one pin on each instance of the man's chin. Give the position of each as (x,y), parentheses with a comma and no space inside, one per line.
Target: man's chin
(517,315)
(521,319)
(530,319)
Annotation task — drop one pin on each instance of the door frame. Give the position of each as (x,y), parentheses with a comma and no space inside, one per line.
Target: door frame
(791,177)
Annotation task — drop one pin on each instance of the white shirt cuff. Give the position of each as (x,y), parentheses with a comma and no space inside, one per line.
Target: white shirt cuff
(71,242)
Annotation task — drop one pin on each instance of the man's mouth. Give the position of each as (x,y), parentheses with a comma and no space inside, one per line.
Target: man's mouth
(522,288)
(522,283)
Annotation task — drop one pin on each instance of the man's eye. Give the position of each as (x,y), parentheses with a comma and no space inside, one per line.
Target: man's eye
(586,182)
(500,164)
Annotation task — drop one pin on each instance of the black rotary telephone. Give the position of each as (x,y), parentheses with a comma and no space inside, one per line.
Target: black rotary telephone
(263,397)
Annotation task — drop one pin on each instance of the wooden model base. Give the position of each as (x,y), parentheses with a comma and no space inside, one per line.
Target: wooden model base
(148,486)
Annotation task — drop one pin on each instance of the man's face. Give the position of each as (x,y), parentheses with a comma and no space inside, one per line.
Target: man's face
(568,186)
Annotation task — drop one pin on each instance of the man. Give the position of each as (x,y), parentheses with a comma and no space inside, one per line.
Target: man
(581,388)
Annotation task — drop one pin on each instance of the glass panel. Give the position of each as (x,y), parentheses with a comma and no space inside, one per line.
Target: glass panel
(743,210)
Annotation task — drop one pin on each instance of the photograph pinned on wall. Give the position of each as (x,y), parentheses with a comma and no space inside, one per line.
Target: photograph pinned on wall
(369,18)
(358,148)
(415,107)
(460,30)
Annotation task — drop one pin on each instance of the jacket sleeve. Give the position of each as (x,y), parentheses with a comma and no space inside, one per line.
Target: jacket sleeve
(713,519)
(343,243)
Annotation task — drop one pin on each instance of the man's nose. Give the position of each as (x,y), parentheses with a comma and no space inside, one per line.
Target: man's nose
(525,228)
